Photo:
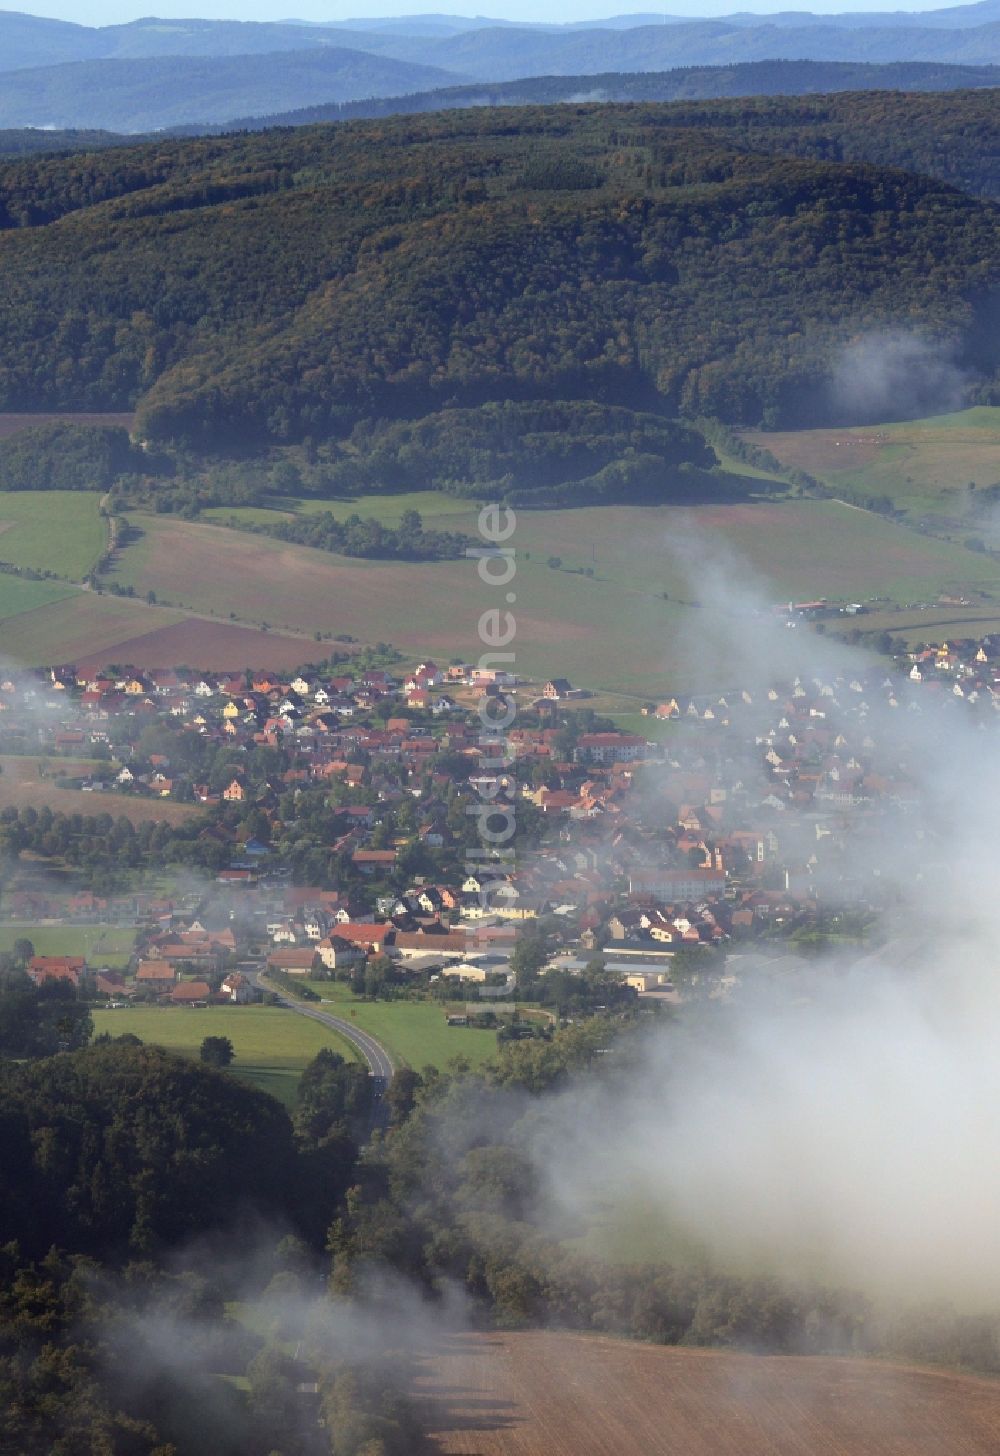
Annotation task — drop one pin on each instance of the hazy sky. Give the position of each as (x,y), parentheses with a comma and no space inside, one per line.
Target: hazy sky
(105,12)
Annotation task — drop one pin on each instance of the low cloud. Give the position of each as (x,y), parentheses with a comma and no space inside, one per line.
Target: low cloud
(893,375)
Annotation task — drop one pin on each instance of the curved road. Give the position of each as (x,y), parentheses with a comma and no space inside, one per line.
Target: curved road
(380,1063)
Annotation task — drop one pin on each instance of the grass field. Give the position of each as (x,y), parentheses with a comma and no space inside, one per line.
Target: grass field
(52,530)
(936,624)
(414,1032)
(548,1394)
(435,507)
(631,628)
(21,784)
(272,1045)
(49,621)
(65,627)
(925,466)
(101,945)
(18,596)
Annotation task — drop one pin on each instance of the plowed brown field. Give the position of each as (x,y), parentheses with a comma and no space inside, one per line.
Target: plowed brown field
(539,1394)
(197,643)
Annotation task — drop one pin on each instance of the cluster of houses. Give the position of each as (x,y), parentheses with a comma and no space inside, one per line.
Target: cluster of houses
(323,715)
(183,967)
(742,822)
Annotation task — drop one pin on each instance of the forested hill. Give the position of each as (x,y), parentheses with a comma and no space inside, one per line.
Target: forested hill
(290,284)
(685,83)
(147,94)
(27,141)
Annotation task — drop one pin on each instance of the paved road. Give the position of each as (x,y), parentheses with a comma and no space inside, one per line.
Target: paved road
(380,1063)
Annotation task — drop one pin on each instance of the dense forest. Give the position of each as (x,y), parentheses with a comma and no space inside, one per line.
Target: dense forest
(284,287)
(182,1260)
(682,83)
(57,456)
(31,141)
(547,452)
(955,137)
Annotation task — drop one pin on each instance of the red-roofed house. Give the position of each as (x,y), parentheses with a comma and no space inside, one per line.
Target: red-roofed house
(56,968)
(191,993)
(370,935)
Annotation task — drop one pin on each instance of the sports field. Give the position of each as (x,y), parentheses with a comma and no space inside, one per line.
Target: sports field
(653,617)
(414,1032)
(272,1046)
(52,530)
(550,1394)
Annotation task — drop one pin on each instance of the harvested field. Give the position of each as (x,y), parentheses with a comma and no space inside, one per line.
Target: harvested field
(632,626)
(542,1394)
(80,622)
(11,424)
(21,784)
(215,570)
(193,642)
(45,622)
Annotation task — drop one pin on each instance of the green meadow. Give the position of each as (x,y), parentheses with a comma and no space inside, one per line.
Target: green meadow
(924,466)
(52,530)
(414,1032)
(272,1046)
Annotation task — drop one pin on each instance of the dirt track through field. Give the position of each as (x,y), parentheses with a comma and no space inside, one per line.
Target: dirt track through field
(539,1394)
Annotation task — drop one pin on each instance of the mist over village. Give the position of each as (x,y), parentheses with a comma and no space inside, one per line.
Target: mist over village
(499,711)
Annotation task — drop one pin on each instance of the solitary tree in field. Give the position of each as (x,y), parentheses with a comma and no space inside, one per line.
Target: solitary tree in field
(217,1051)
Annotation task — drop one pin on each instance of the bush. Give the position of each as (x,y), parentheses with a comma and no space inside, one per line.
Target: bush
(217,1051)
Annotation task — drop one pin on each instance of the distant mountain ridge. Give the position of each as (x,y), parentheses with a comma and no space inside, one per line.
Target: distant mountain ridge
(691,83)
(770,79)
(151,94)
(505,54)
(155,74)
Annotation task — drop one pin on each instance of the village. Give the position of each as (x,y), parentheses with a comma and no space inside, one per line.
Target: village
(332,833)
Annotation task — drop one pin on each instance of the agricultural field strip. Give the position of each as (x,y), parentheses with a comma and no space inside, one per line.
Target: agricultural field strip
(924,466)
(579,1395)
(21,784)
(634,617)
(61,531)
